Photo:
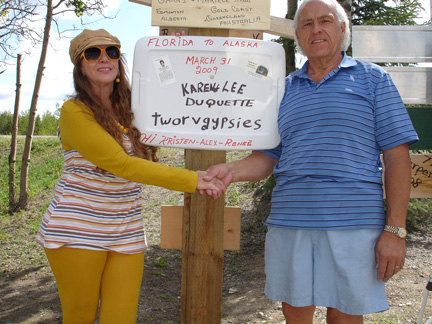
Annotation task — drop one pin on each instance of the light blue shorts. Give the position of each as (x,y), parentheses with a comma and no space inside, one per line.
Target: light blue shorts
(324,268)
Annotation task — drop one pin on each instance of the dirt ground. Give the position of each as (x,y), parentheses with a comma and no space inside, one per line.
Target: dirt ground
(28,293)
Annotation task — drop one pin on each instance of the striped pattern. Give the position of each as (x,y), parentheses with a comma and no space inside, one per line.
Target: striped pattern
(329,174)
(92,210)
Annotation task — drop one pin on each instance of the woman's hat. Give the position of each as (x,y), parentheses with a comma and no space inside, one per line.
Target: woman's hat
(89,38)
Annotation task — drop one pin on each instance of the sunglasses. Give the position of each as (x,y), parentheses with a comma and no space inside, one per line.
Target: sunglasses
(93,54)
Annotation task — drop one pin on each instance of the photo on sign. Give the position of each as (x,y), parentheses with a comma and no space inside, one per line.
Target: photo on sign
(164,70)
(257,70)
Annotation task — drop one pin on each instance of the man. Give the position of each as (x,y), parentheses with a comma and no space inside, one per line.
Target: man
(326,243)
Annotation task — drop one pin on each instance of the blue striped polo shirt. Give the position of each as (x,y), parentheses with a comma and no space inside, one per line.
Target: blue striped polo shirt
(329,172)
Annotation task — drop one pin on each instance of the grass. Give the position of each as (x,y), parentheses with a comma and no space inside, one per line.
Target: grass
(46,165)
(17,232)
(161,263)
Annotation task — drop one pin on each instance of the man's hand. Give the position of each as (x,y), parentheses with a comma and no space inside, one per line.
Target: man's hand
(221,172)
(256,166)
(390,252)
(212,186)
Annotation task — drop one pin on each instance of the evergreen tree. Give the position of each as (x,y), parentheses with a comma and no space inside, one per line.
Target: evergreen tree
(23,121)
(49,124)
(38,125)
(384,12)
(6,123)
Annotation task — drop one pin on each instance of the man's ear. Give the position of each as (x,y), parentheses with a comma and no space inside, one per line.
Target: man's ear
(343,30)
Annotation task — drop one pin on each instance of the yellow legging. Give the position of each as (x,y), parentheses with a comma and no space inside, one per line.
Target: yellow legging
(84,277)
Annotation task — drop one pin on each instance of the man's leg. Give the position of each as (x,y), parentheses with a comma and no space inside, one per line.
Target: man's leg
(336,317)
(298,315)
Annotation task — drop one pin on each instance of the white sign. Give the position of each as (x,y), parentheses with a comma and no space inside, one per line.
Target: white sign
(212,93)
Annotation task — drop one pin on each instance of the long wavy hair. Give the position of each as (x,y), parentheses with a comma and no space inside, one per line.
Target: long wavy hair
(122,109)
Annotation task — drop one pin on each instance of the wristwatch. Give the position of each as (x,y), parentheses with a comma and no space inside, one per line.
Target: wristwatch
(399,231)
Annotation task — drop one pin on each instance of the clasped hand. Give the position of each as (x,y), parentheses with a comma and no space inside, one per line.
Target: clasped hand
(210,185)
(214,181)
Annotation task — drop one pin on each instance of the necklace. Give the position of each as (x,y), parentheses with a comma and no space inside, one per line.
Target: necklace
(122,128)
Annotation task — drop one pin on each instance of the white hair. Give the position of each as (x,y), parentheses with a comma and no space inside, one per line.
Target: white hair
(340,15)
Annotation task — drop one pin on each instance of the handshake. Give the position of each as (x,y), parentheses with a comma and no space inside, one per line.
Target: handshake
(215,180)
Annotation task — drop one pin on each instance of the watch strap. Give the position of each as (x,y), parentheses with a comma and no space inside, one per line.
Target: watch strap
(395,230)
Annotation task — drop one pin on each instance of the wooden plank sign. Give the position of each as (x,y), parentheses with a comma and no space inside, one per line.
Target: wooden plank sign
(172,228)
(226,14)
(421,176)
(278,26)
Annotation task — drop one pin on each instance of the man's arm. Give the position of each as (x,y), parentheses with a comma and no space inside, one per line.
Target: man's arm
(390,250)
(256,166)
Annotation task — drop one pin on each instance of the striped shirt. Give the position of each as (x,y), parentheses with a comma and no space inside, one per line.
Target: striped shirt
(101,210)
(329,172)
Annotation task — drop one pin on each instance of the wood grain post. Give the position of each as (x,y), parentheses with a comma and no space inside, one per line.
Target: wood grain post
(202,263)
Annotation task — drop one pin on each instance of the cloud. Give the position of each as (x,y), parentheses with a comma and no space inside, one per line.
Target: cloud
(279,8)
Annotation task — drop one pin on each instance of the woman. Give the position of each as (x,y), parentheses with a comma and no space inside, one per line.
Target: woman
(93,231)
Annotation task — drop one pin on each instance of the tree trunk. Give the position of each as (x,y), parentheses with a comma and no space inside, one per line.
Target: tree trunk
(289,43)
(33,108)
(12,155)
(346,4)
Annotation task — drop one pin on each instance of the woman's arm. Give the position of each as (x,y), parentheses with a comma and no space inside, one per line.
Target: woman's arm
(80,131)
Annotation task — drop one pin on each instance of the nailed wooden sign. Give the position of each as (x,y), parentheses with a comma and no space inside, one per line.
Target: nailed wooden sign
(226,14)
(421,175)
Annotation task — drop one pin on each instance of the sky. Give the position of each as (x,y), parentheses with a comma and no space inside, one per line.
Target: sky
(131,22)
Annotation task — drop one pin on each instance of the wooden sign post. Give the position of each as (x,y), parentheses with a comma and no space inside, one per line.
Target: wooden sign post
(202,254)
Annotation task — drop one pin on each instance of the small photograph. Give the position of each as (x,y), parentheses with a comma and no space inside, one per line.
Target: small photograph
(261,69)
(164,70)
(257,70)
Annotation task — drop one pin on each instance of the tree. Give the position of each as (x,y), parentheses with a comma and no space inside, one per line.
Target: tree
(79,8)
(5,123)
(48,123)
(23,121)
(288,44)
(38,125)
(45,125)
(16,17)
(14,133)
(382,12)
